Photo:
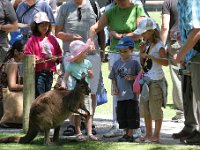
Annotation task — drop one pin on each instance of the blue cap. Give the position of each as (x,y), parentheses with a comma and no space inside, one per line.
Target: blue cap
(125,42)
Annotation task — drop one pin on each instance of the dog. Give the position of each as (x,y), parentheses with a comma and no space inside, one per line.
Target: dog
(50,109)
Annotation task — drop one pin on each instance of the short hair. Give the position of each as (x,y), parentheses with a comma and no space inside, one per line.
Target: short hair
(35,31)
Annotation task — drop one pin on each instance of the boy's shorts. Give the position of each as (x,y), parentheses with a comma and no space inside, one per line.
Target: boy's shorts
(153,107)
(128,114)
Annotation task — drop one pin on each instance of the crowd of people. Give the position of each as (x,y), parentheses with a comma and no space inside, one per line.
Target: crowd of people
(136,44)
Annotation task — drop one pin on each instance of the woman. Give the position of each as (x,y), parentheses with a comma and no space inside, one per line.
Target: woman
(122,20)
(10,73)
(47,52)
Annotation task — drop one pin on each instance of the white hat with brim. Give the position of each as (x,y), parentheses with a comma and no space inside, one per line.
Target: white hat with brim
(76,48)
(145,25)
(41,17)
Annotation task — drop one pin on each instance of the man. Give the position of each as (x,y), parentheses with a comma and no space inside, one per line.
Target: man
(189,26)
(73,23)
(26,11)
(170,25)
(8,23)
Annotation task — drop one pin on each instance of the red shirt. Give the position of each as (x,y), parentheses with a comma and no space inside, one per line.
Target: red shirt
(35,46)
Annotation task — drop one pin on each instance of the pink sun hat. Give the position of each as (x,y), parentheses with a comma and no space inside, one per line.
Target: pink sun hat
(76,48)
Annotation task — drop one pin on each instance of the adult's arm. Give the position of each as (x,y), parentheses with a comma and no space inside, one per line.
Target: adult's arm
(9,27)
(98,26)
(192,39)
(165,27)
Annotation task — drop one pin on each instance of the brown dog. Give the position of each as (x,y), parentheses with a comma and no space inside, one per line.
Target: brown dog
(50,109)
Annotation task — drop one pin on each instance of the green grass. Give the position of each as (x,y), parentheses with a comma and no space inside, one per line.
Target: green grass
(37,144)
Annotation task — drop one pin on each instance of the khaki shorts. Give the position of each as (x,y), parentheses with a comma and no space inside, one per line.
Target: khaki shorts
(152,107)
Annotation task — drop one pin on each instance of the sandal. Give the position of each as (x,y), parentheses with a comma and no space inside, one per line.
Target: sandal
(80,137)
(155,141)
(70,131)
(145,139)
(91,137)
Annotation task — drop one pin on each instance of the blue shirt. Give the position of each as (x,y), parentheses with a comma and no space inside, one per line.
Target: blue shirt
(189,18)
(119,70)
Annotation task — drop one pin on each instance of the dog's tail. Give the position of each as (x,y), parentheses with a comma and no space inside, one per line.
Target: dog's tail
(30,135)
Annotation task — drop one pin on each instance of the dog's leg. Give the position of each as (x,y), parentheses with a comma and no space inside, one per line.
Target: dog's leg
(56,135)
(47,140)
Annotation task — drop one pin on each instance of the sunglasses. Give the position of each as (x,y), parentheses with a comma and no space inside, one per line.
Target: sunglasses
(79,15)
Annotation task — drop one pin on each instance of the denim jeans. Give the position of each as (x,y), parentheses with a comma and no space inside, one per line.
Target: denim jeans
(43,82)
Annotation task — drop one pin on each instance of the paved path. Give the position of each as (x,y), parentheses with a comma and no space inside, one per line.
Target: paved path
(103,124)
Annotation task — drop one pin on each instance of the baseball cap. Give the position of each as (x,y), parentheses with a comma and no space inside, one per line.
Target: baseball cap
(144,25)
(41,17)
(125,42)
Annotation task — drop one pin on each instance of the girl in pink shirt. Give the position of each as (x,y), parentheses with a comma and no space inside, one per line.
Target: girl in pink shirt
(45,47)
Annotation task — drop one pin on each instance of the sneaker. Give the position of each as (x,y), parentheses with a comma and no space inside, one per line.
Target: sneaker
(137,133)
(114,132)
(194,140)
(126,138)
(182,134)
(143,129)
(178,118)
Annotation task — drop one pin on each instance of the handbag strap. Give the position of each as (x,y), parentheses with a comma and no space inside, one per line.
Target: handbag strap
(29,9)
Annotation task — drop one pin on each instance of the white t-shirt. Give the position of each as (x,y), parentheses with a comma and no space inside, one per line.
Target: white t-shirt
(155,71)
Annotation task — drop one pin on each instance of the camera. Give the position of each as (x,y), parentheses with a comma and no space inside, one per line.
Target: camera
(184,72)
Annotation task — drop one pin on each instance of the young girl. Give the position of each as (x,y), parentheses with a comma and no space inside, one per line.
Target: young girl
(45,47)
(154,89)
(122,75)
(78,66)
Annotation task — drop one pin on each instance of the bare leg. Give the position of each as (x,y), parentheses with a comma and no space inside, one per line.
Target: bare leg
(148,124)
(94,103)
(158,124)
(89,125)
(77,123)
(129,132)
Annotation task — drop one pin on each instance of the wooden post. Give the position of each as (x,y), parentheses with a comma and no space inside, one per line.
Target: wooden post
(29,88)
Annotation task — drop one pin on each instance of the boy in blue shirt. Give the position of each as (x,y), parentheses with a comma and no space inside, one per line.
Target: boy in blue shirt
(123,74)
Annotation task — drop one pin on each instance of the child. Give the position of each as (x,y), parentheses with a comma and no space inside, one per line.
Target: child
(154,90)
(122,75)
(80,65)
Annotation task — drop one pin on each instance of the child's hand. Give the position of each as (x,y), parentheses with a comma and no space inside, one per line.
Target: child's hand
(144,55)
(62,86)
(129,77)
(90,73)
(115,91)
(142,47)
